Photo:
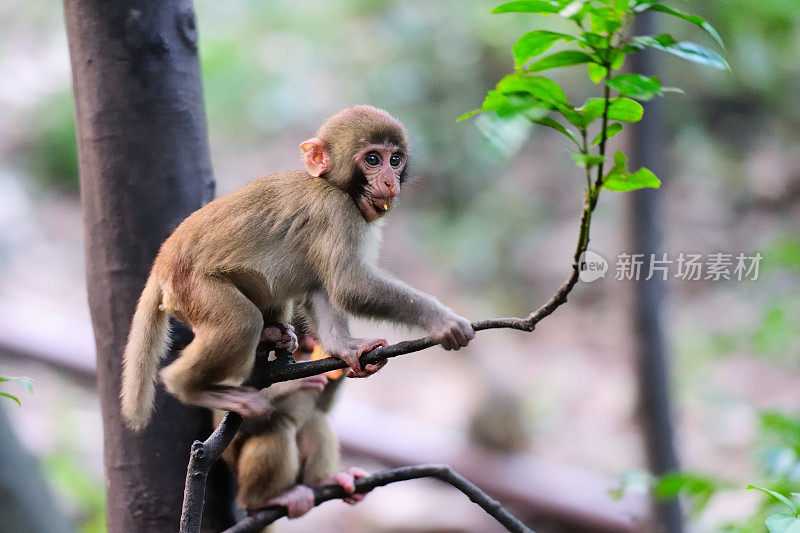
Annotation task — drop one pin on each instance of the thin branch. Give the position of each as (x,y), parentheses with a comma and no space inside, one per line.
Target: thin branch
(364,485)
(202,458)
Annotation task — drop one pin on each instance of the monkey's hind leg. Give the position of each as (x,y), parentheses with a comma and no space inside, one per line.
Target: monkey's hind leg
(268,469)
(211,369)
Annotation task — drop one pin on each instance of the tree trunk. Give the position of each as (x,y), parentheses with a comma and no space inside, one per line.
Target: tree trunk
(655,410)
(144,166)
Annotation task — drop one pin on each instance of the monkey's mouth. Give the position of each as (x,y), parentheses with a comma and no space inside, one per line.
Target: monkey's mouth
(382,205)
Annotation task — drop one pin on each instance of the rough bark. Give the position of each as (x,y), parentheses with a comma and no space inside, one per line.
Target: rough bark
(144,166)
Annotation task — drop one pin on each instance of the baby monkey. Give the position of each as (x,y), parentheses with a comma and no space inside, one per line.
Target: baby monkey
(276,459)
(233,269)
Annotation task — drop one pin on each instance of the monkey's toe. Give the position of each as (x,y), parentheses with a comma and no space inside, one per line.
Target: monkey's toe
(281,336)
(298,500)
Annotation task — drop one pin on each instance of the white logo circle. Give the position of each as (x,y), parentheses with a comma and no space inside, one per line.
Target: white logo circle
(591,266)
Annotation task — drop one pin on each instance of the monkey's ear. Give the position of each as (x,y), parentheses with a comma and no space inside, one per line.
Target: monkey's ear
(316,158)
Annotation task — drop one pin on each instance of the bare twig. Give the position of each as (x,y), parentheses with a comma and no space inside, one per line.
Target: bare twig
(202,458)
(364,485)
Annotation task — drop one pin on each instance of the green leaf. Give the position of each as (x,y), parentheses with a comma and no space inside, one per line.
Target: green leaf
(595,40)
(636,86)
(573,117)
(25,381)
(587,160)
(694,19)
(540,87)
(671,485)
(622,109)
(686,50)
(552,123)
(528,6)
(469,114)
(7,395)
(778,496)
(782,523)
(534,43)
(596,72)
(560,59)
(572,9)
(611,130)
(626,181)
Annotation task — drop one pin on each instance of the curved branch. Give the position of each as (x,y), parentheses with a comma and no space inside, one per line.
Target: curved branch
(364,485)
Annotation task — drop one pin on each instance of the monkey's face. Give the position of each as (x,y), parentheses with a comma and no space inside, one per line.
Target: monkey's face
(378,171)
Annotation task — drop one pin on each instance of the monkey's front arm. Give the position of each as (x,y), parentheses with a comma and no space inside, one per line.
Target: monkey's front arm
(369,292)
(331,327)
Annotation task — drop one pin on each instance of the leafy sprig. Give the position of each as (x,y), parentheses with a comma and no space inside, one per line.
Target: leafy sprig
(601,40)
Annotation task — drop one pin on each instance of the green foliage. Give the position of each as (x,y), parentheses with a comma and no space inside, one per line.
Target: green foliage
(53,153)
(781,522)
(698,487)
(600,40)
(779,436)
(80,489)
(26,382)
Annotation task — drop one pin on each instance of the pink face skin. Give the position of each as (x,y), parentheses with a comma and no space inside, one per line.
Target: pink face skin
(382,165)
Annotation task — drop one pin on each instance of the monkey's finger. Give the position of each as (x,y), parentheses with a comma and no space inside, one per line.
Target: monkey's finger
(449,342)
(372,368)
(354,499)
(346,481)
(314,382)
(352,361)
(357,472)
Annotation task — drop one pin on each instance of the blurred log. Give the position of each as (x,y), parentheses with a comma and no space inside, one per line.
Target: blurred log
(144,166)
(566,496)
(571,498)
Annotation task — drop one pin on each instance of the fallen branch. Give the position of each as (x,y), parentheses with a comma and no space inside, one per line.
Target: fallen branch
(364,485)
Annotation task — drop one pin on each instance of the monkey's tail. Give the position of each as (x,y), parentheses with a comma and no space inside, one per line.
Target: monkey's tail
(147,344)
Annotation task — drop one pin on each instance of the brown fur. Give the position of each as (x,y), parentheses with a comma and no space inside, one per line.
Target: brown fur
(295,444)
(238,263)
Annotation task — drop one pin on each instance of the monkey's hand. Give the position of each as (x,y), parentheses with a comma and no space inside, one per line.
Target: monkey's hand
(317,382)
(346,480)
(453,331)
(281,335)
(298,500)
(349,350)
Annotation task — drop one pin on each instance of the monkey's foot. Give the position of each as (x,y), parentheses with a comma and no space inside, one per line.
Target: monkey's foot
(350,350)
(346,480)
(246,401)
(280,335)
(298,501)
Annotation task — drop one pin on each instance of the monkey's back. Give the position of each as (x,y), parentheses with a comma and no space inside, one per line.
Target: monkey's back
(270,236)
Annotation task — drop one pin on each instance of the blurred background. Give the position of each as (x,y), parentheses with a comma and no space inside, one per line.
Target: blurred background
(547,421)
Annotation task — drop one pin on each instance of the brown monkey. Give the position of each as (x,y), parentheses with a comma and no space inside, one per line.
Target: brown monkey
(237,264)
(276,459)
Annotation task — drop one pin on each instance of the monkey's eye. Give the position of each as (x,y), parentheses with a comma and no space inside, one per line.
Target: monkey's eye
(372,159)
(395,160)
